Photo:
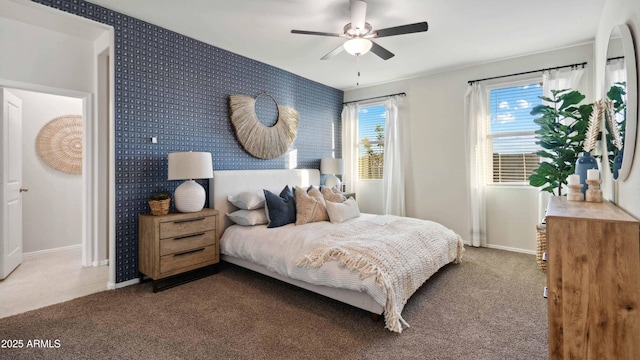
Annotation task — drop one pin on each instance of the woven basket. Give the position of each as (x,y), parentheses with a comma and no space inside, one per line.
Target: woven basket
(541,240)
(159,207)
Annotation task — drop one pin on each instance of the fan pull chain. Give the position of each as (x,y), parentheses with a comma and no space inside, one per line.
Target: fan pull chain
(358,66)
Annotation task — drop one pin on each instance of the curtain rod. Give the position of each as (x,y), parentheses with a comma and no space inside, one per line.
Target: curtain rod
(530,72)
(372,98)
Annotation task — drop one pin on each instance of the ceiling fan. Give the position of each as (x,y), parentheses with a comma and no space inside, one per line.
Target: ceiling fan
(359,33)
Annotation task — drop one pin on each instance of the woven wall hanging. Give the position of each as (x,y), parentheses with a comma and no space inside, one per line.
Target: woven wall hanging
(264,142)
(59,144)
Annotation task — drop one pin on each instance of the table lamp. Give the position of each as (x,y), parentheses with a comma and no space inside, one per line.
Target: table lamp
(332,167)
(189,196)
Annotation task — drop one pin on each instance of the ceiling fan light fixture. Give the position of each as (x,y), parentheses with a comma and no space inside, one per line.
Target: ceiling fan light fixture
(358,46)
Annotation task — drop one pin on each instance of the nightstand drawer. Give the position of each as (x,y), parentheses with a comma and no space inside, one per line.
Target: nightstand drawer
(187,242)
(187,258)
(177,243)
(182,227)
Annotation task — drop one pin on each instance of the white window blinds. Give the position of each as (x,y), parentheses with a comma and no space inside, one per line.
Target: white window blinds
(512,132)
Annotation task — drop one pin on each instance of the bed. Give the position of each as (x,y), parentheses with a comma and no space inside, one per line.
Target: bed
(307,255)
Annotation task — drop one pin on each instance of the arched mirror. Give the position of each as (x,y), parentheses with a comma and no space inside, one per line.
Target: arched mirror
(621,101)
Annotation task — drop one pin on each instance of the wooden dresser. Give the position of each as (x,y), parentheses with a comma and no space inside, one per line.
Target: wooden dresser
(175,243)
(593,280)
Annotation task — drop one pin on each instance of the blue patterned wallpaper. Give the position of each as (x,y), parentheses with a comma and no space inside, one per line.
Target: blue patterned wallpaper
(176,88)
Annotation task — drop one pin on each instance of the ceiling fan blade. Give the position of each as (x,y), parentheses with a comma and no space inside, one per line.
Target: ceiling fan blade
(358,10)
(380,51)
(305,32)
(333,53)
(404,29)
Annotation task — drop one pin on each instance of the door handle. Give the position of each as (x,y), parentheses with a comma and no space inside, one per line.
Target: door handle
(24,190)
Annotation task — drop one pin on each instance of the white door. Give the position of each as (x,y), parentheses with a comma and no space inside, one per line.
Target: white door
(11,179)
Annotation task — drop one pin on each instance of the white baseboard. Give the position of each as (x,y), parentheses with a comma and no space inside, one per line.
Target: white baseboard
(48,251)
(112,286)
(100,263)
(507,248)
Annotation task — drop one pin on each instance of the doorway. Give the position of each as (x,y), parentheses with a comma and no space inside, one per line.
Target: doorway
(80,65)
(52,268)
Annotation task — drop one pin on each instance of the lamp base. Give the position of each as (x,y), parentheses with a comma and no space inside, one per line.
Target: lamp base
(332,181)
(189,197)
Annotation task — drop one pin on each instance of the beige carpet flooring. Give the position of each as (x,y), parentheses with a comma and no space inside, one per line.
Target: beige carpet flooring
(488,307)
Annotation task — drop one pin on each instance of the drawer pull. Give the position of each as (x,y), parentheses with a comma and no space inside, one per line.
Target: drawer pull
(188,236)
(544,256)
(188,220)
(544,294)
(188,252)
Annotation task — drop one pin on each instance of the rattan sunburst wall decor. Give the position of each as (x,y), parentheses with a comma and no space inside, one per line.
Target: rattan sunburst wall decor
(264,142)
(59,144)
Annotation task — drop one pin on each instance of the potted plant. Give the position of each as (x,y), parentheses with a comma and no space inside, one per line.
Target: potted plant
(563,126)
(159,203)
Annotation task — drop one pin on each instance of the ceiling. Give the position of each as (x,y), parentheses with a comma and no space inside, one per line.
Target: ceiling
(461,32)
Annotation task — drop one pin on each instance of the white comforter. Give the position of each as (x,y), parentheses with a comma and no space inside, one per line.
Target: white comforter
(279,249)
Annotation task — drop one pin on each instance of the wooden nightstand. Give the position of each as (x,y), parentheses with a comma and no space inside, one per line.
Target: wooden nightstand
(177,243)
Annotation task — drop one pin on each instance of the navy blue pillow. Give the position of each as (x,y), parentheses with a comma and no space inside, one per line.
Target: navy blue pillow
(281,210)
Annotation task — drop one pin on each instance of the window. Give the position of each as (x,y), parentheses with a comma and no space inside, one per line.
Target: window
(371,122)
(511,133)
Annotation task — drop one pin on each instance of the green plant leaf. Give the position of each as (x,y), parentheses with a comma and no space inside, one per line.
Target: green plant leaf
(570,98)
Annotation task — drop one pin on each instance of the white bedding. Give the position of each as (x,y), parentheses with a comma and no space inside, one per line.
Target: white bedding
(279,249)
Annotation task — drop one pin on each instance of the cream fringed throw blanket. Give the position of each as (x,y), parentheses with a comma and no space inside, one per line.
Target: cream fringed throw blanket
(402,253)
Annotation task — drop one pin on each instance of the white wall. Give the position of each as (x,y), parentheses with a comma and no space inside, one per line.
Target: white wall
(369,196)
(52,208)
(52,59)
(432,115)
(621,12)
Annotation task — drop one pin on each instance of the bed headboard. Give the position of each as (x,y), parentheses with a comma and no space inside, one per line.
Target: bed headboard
(232,182)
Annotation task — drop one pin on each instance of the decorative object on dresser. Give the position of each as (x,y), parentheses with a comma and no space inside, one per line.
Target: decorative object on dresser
(257,139)
(575,193)
(594,194)
(174,244)
(159,203)
(332,167)
(585,163)
(59,144)
(593,280)
(190,196)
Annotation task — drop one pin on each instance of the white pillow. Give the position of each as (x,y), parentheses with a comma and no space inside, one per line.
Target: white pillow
(248,200)
(248,217)
(339,212)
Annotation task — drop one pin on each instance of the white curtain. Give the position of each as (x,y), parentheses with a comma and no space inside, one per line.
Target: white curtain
(477,155)
(393,172)
(558,80)
(563,79)
(350,146)
(615,72)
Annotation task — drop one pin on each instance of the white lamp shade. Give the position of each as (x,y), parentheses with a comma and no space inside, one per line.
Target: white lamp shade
(331,166)
(190,165)
(358,46)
